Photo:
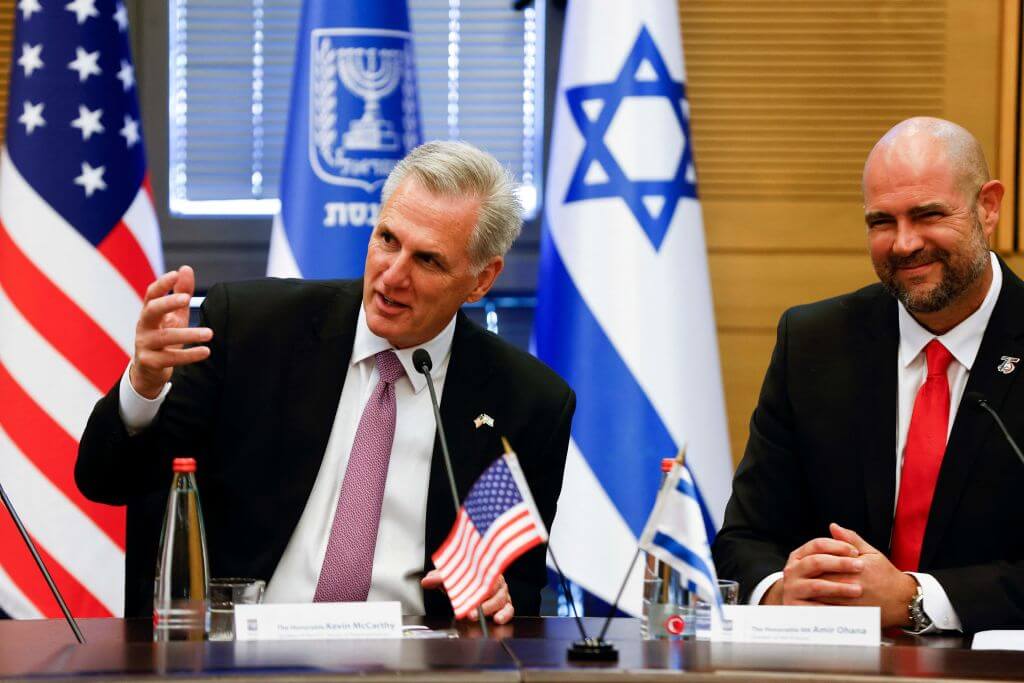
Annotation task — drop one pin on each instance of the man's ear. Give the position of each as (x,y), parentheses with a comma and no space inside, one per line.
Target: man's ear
(485,279)
(990,196)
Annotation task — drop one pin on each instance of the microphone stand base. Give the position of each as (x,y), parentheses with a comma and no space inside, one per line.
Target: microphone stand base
(591,650)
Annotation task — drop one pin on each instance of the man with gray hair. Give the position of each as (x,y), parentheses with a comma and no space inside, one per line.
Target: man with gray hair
(871,476)
(313,432)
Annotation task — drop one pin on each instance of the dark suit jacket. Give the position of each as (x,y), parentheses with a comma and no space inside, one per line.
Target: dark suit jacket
(256,416)
(822,449)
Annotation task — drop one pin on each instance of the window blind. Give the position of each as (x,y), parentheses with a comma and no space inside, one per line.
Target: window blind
(478,71)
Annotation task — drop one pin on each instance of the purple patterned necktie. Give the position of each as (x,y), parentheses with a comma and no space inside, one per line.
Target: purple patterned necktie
(348,564)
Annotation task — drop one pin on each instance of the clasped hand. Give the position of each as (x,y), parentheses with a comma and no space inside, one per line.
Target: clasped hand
(844,570)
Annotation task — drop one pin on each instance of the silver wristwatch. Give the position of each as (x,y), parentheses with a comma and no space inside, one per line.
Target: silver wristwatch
(919,621)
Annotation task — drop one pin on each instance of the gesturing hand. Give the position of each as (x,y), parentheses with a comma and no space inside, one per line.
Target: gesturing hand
(162,332)
(498,605)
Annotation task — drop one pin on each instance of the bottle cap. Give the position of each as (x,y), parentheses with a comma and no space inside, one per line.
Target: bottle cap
(184,465)
(666,464)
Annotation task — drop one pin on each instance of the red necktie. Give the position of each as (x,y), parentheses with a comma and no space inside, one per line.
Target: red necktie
(922,458)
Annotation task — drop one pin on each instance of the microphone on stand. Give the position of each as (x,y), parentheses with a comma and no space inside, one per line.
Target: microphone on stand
(421,361)
(587,649)
(42,567)
(977,400)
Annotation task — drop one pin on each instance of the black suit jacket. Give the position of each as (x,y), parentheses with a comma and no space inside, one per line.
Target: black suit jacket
(822,449)
(257,414)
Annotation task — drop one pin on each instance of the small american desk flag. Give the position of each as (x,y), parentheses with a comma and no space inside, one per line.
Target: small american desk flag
(78,246)
(497,523)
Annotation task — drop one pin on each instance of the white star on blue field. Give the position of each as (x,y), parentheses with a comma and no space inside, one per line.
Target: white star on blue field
(643,75)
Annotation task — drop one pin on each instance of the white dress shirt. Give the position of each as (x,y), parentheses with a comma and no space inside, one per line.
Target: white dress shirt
(963,342)
(399,552)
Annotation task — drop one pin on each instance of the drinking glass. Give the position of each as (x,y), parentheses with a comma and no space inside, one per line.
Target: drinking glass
(667,610)
(224,595)
(730,592)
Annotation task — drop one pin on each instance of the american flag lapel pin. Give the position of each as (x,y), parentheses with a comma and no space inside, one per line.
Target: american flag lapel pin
(483,419)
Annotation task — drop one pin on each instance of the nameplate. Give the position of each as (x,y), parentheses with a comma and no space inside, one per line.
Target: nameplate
(799,625)
(318,621)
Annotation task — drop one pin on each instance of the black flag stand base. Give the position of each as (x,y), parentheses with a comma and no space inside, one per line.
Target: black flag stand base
(597,649)
(586,649)
(593,650)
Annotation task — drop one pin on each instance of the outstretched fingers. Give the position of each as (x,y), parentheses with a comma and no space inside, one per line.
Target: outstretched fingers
(162,332)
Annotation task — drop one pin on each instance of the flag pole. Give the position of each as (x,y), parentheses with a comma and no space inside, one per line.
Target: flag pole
(618,596)
(42,567)
(568,594)
(586,649)
(567,591)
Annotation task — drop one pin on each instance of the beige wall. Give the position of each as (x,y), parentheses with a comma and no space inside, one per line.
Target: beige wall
(787,97)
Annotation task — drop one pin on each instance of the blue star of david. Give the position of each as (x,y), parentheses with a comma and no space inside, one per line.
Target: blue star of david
(671,190)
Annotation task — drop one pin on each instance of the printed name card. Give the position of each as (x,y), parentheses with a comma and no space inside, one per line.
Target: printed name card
(318,621)
(798,625)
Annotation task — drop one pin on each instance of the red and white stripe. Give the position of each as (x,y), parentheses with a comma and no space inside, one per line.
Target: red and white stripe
(470,564)
(67,320)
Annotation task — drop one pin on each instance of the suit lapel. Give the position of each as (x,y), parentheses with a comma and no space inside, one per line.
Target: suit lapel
(463,399)
(465,396)
(1004,336)
(879,403)
(312,390)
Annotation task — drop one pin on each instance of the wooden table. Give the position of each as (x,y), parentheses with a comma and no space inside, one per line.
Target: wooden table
(529,649)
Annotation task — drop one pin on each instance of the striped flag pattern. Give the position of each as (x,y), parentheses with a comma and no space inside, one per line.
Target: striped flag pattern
(497,523)
(79,244)
(675,534)
(623,286)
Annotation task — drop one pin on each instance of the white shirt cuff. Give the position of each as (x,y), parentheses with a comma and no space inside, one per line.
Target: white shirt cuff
(936,605)
(137,412)
(761,588)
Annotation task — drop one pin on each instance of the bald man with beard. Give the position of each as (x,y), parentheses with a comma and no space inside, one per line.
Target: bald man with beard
(868,478)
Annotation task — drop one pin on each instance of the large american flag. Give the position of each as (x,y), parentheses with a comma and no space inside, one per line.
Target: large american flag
(79,243)
(497,523)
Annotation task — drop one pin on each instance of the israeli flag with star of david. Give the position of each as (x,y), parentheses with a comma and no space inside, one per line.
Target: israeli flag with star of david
(353,116)
(624,308)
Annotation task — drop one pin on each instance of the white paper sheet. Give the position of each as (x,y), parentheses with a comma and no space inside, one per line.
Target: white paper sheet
(998,640)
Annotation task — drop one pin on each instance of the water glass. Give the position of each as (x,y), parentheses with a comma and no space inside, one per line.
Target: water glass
(667,610)
(730,592)
(224,595)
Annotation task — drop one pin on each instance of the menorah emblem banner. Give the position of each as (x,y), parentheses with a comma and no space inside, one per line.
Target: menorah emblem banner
(353,116)
(368,71)
(372,74)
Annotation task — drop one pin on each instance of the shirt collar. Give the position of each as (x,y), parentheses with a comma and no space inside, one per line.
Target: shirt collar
(368,344)
(964,340)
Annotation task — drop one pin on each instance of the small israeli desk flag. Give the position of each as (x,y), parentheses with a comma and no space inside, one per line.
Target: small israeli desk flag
(675,535)
(353,116)
(624,308)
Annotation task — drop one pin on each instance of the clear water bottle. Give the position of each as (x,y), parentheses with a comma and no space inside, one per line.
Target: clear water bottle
(180,597)
(667,613)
